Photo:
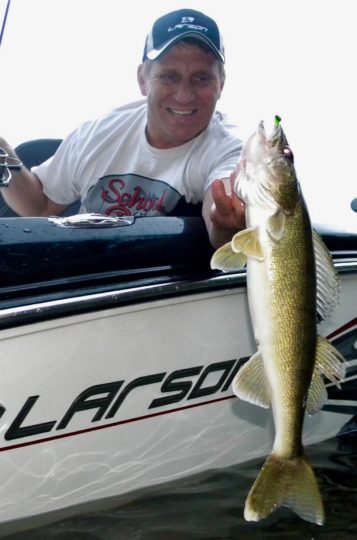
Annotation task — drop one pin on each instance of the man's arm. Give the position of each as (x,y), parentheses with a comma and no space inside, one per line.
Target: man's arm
(223,212)
(24,193)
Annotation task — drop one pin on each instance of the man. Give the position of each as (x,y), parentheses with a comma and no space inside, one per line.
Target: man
(154,156)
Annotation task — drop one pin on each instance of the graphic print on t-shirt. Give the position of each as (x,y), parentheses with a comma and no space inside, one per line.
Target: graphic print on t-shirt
(131,195)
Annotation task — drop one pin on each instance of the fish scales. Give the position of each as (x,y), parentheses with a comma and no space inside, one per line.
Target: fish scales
(291,292)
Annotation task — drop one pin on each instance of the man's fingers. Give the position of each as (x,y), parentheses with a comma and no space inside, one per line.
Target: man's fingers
(223,202)
(227,211)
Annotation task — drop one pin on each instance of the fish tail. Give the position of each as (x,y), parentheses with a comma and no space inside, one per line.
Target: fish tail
(285,482)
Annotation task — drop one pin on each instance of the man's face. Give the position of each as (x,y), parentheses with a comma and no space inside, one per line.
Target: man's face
(182,88)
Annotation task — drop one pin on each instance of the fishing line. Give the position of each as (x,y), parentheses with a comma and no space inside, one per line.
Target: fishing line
(4,21)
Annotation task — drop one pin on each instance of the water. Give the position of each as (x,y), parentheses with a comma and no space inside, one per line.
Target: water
(210,506)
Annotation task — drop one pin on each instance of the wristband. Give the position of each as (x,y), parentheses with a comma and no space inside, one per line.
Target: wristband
(7,164)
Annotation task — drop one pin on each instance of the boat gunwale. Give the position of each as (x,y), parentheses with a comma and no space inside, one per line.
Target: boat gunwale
(89,299)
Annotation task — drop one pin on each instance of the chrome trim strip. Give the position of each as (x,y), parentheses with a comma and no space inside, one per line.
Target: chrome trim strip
(346,265)
(57,308)
(33,312)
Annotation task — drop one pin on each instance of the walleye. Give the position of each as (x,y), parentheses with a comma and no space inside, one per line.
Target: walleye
(291,282)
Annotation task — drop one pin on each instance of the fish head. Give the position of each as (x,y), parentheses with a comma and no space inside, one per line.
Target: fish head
(266,174)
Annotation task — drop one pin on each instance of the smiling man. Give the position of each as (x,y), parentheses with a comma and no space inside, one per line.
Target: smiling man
(170,154)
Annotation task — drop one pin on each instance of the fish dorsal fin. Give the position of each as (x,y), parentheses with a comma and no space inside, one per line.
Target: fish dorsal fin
(276,225)
(330,363)
(247,242)
(327,279)
(251,384)
(227,260)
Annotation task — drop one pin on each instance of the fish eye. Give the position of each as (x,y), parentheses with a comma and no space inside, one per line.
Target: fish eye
(288,154)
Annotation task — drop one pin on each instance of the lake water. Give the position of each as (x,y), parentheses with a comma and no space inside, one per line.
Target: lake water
(210,506)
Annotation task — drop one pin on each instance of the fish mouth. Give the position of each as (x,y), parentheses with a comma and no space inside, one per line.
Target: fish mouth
(265,164)
(276,140)
(276,132)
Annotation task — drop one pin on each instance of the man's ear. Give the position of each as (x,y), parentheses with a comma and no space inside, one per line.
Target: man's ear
(141,75)
(223,80)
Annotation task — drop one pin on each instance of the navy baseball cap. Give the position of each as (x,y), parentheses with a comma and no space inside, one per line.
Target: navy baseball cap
(176,25)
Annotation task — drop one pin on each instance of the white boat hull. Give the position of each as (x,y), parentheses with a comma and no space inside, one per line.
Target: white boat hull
(103,403)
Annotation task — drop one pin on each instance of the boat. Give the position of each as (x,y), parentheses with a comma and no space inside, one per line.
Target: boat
(118,346)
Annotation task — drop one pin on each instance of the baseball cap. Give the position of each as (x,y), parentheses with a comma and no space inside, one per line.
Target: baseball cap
(179,24)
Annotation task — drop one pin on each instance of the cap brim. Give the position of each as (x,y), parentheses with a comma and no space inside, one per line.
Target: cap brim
(154,54)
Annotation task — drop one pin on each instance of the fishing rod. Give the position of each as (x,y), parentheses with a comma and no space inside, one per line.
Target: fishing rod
(7,162)
(4,21)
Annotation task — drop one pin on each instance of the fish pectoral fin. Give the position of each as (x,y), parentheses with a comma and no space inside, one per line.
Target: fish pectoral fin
(247,242)
(276,225)
(285,482)
(330,363)
(226,259)
(327,279)
(251,383)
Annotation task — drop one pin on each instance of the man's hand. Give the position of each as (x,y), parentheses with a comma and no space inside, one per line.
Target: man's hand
(223,211)
(227,211)
(24,194)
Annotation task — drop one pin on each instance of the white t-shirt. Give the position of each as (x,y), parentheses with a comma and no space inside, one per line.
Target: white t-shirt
(109,165)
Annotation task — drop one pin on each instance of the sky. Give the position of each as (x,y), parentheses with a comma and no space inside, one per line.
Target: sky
(63,62)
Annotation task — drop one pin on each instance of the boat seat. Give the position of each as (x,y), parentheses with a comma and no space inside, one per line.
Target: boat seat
(35,152)
(32,153)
